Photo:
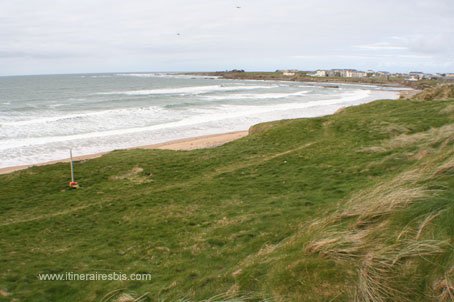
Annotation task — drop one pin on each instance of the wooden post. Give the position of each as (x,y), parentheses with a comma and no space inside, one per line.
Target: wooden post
(71,164)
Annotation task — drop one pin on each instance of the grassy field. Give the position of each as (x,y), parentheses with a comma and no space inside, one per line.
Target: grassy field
(357,205)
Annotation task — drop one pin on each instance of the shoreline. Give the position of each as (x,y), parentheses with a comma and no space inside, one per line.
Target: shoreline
(197,142)
(405,91)
(274,76)
(183,144)
(394,82)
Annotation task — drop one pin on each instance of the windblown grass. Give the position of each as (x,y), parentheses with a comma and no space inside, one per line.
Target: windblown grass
(438,92)
(434,136)
(444,286)
(359,232)
(292,212)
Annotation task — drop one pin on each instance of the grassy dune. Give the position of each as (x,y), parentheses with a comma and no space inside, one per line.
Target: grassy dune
(437,92)
(357,205)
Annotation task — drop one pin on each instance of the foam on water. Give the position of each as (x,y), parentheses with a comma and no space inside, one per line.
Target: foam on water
(187,90)
(220,113)
(256,96)
(102,116)
(164,75)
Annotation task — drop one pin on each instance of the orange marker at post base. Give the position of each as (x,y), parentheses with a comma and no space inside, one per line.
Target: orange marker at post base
(72,184)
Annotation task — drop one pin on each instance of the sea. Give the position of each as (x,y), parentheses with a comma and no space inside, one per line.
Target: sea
(43,117)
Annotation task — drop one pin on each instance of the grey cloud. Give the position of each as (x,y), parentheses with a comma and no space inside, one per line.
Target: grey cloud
(103,35)
(37,55)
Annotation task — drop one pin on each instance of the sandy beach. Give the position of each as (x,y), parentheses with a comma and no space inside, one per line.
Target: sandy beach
(200,142)
(48,132)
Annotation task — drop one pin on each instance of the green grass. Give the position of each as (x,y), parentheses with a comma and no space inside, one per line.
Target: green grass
(321,209)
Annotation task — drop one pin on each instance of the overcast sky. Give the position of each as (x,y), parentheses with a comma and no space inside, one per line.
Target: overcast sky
(77,36)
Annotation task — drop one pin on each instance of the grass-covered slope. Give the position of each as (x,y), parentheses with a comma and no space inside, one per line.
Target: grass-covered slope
(357,205)
(439,92)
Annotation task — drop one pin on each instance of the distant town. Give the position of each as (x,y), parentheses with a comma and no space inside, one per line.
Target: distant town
(353,73)
(416,79)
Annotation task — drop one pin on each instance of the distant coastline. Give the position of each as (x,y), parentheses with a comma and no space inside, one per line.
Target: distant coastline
(303,77)
(409,89)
